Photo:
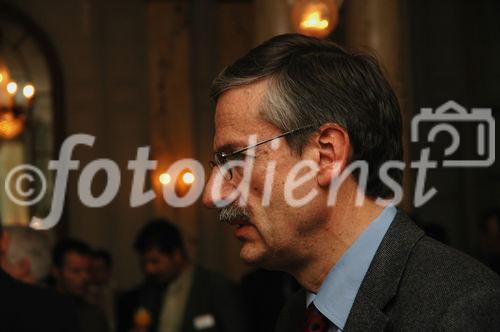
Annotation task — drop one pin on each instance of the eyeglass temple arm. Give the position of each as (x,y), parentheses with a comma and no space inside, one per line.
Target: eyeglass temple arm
(267,140)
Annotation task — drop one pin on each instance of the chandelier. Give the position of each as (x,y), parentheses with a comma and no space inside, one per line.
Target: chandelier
(16,101)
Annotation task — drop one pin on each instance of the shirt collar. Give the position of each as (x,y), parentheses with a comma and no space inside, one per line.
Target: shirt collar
(338,291)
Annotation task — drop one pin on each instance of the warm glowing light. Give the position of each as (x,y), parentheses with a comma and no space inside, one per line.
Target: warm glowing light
(10,125)
(12,87)
(142,318)
(1,77)
(188,178)
(316,18)
(165,178)
(29,91)
(314,21)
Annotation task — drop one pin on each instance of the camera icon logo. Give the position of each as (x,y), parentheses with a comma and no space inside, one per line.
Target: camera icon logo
(452,112)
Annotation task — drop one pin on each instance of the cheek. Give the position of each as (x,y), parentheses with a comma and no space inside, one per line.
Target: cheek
(273,227)
(266,186)
(168,269)
(66,274)
(266,202)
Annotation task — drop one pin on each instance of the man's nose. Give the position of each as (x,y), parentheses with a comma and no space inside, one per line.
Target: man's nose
(216,190)
(207,198)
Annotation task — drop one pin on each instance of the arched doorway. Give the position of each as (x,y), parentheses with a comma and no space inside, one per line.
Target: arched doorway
(27,57)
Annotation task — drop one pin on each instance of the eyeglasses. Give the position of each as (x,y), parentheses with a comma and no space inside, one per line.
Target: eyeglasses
(222,158)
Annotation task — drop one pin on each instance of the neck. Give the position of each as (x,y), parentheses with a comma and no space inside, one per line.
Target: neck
(345,223)
(185,265)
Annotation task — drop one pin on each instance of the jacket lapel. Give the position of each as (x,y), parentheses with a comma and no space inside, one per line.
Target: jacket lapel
(382,279)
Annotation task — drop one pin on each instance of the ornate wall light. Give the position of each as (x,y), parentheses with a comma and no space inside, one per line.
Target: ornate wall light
(31,114)
(16,101)
(182,182)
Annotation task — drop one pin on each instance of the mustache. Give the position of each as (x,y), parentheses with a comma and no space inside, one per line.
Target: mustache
(233,212)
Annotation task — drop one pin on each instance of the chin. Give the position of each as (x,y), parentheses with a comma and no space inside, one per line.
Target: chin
(252,254)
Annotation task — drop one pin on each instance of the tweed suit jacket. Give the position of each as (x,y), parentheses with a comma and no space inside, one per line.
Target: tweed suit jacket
(415,283)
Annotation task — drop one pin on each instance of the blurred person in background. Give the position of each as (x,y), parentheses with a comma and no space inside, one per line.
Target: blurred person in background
(177,295)
(101,290)
(71,270)
(27,258)
(23,306)
(265,293)
(489,227)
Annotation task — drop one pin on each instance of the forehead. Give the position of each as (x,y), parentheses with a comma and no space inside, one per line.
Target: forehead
(98,262)
(154,253)
(75,258)
(237,115)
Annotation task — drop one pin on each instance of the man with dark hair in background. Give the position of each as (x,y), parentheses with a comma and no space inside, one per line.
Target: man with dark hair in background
(265,293)
(363,264)
(177,296)
(101,291)
(489,228)
(71,268)
(30,308)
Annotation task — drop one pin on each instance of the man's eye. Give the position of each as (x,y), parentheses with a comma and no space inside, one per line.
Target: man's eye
(238,156)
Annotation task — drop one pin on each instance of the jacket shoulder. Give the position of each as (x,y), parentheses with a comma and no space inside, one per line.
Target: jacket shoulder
(438,267)
(417,282)
(450,289)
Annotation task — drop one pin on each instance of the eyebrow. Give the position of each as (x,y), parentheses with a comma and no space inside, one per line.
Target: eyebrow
(227,148)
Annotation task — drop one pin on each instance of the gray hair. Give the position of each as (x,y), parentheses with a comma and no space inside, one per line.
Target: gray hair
(312,82)
(27,243)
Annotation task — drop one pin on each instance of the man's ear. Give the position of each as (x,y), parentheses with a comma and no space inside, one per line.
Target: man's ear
(334,151)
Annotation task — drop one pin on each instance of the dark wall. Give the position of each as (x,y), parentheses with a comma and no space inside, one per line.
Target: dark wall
(455,51)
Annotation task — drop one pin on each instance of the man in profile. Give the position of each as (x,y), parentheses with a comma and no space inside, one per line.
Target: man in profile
(316,110)
(25,307)
(176,295)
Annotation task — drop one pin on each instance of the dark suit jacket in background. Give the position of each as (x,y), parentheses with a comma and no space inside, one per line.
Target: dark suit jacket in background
(265,293)
(90,317)
(415,283)
(210,294)
(26,308)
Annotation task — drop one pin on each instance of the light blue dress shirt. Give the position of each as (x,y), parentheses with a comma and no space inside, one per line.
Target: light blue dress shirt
(338,291)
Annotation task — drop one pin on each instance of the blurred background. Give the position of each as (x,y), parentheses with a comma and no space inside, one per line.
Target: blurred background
(137,73)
